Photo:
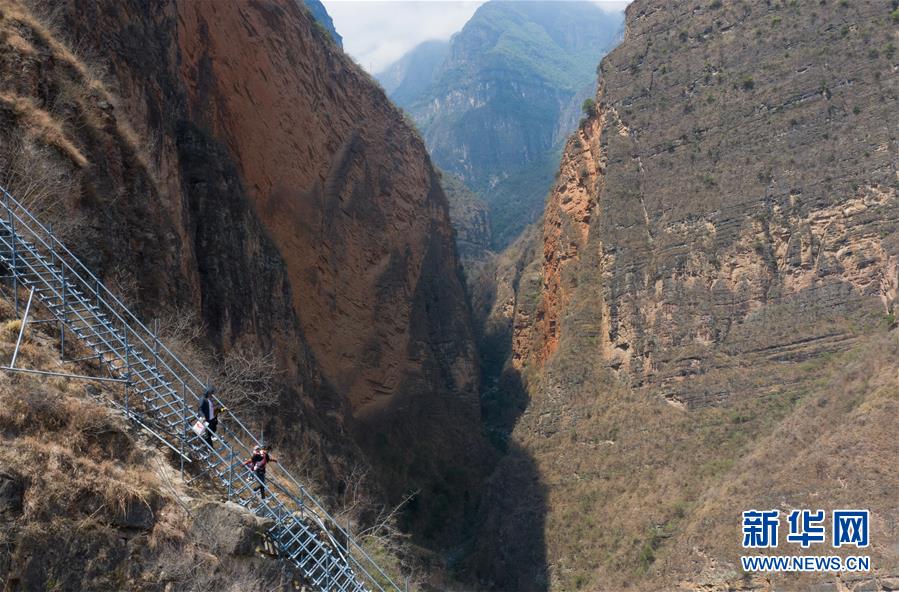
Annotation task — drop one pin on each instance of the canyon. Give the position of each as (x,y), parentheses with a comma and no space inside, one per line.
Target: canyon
(496,102)
(702,320)
(274,194)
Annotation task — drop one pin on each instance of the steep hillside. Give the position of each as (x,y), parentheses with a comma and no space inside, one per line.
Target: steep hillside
(705,326)
(411,76)
(730,212)
(500,104)
(271,187)
(468,213)
(87,502)
(321,16)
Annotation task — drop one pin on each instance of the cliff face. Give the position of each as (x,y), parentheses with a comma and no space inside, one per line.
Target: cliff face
(347,193)
(711,294)
(730,214)
(496,110)
(471,223)
(342,185)
(298,214)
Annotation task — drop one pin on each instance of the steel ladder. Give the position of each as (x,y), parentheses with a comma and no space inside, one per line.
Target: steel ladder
(161,392)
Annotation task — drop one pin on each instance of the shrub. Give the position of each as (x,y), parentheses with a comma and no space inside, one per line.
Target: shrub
(12,327)
(589,107)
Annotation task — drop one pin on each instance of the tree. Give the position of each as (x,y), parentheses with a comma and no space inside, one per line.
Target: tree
(589,107)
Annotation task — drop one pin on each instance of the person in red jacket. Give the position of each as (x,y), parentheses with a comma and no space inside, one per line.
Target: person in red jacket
(257,464)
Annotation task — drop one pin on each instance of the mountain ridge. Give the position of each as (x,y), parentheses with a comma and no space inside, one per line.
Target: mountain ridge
(711,287)
(495,110)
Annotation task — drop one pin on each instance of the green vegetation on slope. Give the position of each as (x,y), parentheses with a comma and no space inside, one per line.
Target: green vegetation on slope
(496,110)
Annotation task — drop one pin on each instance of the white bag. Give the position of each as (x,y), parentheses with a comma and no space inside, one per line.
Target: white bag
(199,428)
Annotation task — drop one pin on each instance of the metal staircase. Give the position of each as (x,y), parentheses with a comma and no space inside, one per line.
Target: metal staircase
(161,394)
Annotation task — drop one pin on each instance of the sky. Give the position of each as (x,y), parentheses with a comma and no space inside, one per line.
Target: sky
(378,32)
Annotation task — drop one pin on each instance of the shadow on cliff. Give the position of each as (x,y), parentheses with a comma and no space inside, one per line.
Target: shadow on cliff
(508,551)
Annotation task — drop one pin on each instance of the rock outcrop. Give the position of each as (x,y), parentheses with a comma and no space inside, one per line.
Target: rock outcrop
(706,323)
(723,217)
(273,188)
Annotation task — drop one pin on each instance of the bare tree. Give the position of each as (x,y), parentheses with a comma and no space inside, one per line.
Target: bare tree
(37,179)
(244,377)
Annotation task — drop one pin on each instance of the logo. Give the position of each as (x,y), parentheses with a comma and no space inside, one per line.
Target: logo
(850,527)
(760,529)
(806,529)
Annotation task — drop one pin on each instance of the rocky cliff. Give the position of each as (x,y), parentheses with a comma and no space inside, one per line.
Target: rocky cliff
(496,109)
(731,214)
(471,223)
(712,294)
(272,187)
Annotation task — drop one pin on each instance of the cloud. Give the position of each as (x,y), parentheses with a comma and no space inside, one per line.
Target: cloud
(378,32)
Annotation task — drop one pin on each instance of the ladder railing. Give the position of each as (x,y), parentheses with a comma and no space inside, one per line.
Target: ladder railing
(167,393)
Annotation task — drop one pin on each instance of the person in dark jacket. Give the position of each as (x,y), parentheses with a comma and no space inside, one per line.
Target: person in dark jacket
(209,413)
(257,464)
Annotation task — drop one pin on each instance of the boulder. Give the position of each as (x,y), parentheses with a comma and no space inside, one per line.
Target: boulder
(227,528)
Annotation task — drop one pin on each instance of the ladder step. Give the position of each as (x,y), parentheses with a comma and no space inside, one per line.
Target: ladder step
(144,373)
(45,290)
(159,398)
(75,307)
(117,352)
(152,389)
(301,534)
(175,413)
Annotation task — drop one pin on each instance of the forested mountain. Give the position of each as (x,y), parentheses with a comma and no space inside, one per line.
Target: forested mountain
(496,109)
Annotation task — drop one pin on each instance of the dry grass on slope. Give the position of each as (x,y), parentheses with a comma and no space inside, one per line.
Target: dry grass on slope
(74,454)
(102,507)
(56,95)
(41,124)
(837,449)
(643,495)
